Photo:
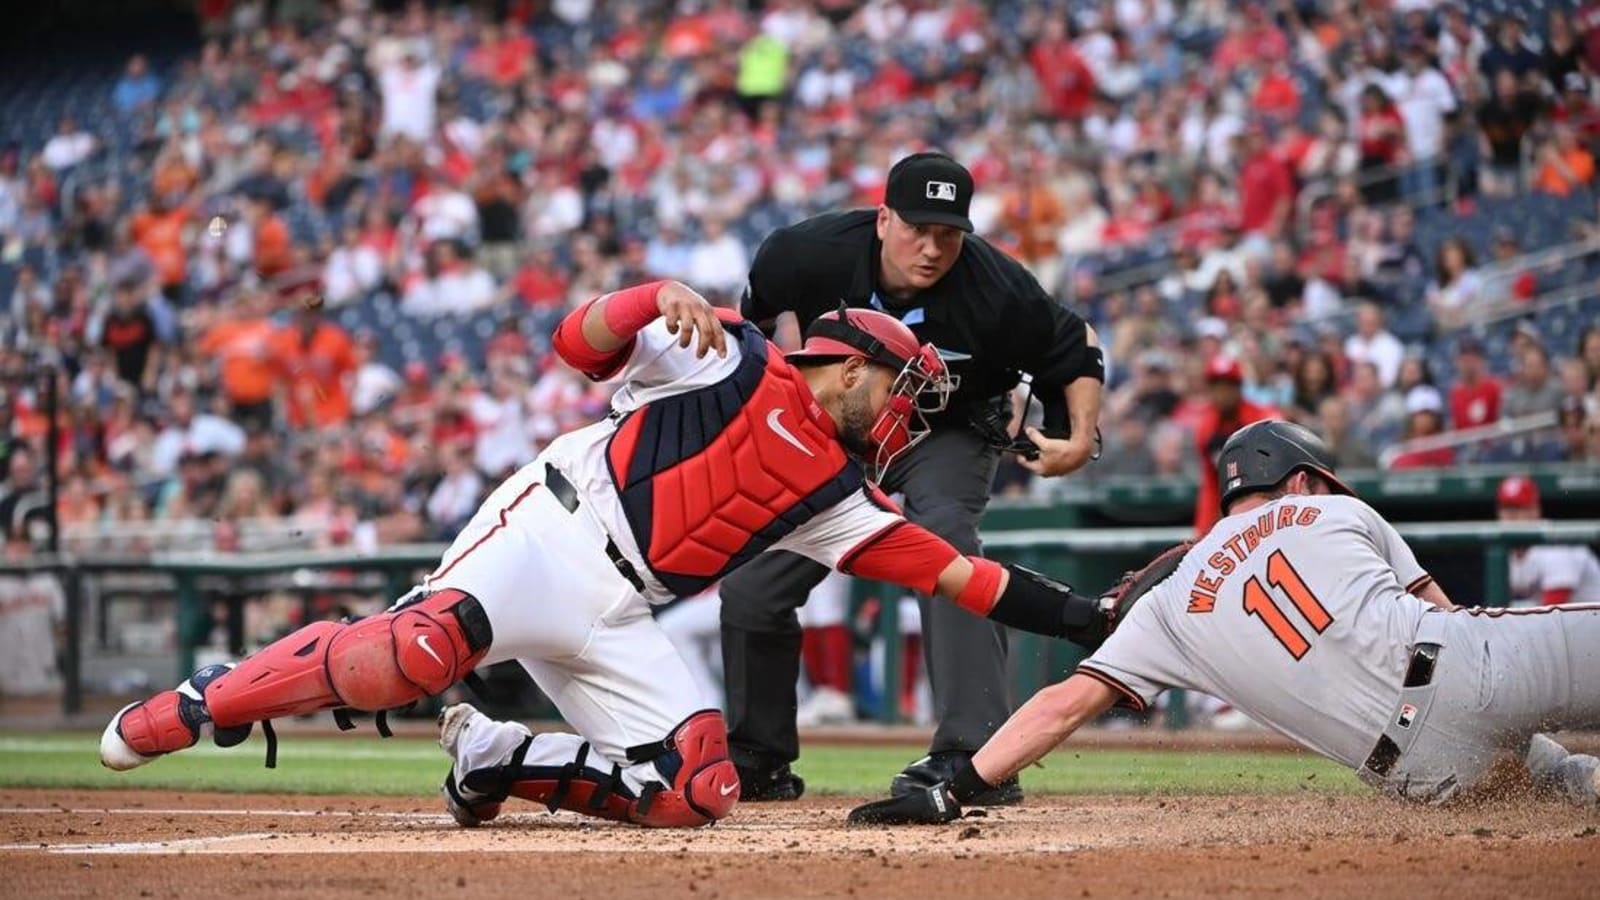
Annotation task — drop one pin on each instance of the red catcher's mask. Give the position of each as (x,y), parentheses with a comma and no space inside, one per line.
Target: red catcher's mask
(922,385)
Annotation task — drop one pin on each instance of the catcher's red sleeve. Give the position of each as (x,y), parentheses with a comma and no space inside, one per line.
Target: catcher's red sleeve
(626,311)
(902,553)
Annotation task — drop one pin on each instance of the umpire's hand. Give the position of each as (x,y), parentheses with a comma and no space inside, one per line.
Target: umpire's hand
(1058,456)
(931,805)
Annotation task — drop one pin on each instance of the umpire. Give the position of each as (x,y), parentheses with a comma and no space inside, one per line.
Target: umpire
(915,258)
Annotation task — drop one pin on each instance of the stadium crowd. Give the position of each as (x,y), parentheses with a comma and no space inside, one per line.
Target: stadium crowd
(218,267)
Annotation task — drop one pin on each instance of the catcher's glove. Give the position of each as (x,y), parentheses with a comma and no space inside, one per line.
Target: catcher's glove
(924,805)
(1117,602)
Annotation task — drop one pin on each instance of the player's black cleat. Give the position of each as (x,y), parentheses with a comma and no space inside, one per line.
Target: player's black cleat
(942,767)
(769,784)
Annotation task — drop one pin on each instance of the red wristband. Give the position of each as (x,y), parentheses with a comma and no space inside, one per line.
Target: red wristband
(982,588)
(630,309)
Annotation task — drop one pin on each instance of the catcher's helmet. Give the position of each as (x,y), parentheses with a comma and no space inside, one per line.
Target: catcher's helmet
(1259,456)
(922,384)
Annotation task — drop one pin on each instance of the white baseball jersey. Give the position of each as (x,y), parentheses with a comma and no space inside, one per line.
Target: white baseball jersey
(1537,571)
(658,368)
(1298,612)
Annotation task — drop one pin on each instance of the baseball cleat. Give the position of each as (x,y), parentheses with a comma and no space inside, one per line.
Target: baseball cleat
(453,722)
(769,785)
(469,808)
(168,722)
(1544,759)
(1575,776)
(941,767)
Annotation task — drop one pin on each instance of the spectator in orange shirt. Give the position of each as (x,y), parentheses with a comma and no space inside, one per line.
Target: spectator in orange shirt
(173,176)
(1565,165)
(159,230)
(241,341)
(1032,211)
(273,248)
(319,362)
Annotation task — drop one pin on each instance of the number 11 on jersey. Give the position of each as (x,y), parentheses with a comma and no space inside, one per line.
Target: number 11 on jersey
(1260,603)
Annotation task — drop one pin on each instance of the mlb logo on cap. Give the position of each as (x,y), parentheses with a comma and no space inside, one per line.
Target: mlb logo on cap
(930,189)
(1233,470)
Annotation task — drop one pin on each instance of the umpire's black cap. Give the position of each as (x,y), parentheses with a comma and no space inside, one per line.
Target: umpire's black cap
(930,189)
(1262,454)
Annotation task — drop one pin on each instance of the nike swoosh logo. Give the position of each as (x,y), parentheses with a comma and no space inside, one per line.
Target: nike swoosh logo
(780,431)
(727,789)
(422,641)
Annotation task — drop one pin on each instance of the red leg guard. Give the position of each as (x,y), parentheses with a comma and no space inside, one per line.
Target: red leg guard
(159,725)
(376,663)
(704,784)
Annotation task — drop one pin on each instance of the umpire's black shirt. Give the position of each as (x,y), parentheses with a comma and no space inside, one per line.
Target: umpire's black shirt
(987,305)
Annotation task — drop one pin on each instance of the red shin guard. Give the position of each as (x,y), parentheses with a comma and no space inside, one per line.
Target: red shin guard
(373,664)
(703,786)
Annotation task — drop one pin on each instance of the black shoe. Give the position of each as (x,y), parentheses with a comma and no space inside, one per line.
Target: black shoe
(942,766)
(769,784)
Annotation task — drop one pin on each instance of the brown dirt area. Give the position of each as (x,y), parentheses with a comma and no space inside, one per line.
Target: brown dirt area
(170,844)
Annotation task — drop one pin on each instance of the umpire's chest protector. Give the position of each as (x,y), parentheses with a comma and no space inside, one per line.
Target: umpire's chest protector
(714,476)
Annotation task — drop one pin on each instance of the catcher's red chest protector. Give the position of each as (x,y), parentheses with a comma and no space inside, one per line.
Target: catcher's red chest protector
(714,476)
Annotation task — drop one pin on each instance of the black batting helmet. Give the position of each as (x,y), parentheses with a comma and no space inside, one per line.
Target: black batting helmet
(1259,456)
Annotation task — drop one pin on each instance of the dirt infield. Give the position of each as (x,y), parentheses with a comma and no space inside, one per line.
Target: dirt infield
(165,844)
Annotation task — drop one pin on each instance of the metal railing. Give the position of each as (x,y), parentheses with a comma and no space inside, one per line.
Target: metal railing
(1520,426)
(1319,189)
(166,535)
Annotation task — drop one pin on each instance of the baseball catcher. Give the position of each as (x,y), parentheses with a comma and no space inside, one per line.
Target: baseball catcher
(1307,611)
(717,449)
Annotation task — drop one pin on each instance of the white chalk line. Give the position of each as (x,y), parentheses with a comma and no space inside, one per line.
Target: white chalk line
(175,845)
(270,813)
(401,824)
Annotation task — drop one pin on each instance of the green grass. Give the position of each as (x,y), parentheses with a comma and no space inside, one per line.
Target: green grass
(414,766)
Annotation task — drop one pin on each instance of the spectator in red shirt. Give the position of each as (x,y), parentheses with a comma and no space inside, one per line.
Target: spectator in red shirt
(1065,79)
(1381,140)
(1424,418)
(1475,398)
(1206,216)
(1277,96)
(540,283)
(1266,190)
(501,57)
(1323,257)
(1588,26)
(1576,109)
(1227,412)
(1251,37)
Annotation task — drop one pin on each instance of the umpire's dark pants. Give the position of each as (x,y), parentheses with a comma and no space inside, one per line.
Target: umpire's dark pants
(945,480)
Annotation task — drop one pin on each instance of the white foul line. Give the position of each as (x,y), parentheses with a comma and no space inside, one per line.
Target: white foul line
(141,811)
(177,845)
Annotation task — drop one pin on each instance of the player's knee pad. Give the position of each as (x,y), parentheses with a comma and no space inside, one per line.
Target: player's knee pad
(372,664)
(702,783)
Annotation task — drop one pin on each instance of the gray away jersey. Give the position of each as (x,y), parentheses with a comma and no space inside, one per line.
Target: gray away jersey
(1297,612)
